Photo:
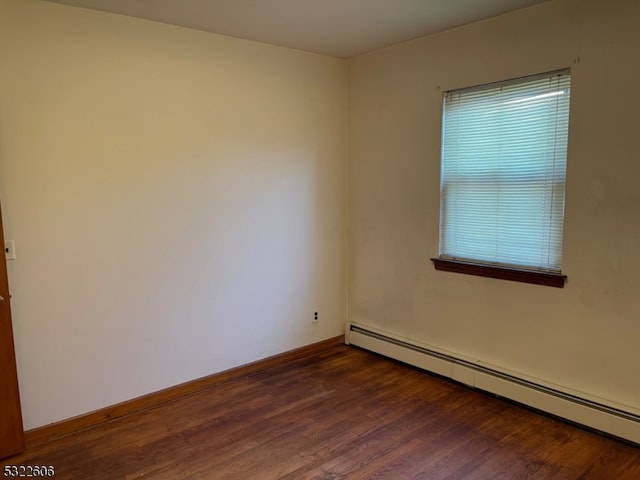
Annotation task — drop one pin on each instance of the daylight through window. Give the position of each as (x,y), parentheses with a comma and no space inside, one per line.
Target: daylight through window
(504,153)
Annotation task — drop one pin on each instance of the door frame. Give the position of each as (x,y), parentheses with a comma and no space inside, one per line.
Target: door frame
(11,427)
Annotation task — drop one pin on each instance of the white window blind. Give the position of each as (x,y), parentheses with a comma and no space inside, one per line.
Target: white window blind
(504,151)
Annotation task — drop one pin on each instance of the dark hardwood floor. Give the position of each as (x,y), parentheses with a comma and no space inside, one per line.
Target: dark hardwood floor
(340,414)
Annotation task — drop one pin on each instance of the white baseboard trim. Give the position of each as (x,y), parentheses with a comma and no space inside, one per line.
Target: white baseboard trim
(576,407)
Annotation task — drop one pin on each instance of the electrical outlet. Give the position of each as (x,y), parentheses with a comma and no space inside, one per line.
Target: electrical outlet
(10,250)
(315,317)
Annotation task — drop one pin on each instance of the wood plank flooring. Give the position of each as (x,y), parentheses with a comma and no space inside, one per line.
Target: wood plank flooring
(339,414)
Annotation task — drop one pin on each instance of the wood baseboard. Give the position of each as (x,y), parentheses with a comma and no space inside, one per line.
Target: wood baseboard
(52,431)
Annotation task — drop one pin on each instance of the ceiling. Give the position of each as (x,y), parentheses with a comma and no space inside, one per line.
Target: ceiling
(341,28)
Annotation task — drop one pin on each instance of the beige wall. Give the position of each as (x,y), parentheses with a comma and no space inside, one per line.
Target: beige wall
(582,338)
(176,199)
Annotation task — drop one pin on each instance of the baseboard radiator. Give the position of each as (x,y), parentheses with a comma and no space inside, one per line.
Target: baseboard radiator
(575,407)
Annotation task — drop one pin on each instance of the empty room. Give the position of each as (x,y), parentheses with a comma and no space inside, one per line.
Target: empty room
(320,239)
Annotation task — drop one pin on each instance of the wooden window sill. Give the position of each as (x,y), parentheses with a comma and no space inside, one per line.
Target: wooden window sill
(492,271)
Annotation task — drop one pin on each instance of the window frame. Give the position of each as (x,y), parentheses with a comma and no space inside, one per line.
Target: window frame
(448,263)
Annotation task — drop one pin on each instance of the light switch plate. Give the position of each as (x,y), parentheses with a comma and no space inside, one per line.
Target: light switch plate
(10,250)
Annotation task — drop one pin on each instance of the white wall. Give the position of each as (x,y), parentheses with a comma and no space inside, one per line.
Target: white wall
(584,337)
(176,199)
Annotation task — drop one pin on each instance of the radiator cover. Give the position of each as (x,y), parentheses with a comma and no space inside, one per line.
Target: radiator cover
(572,406)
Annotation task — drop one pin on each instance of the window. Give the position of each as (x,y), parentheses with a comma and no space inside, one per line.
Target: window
(504,153)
